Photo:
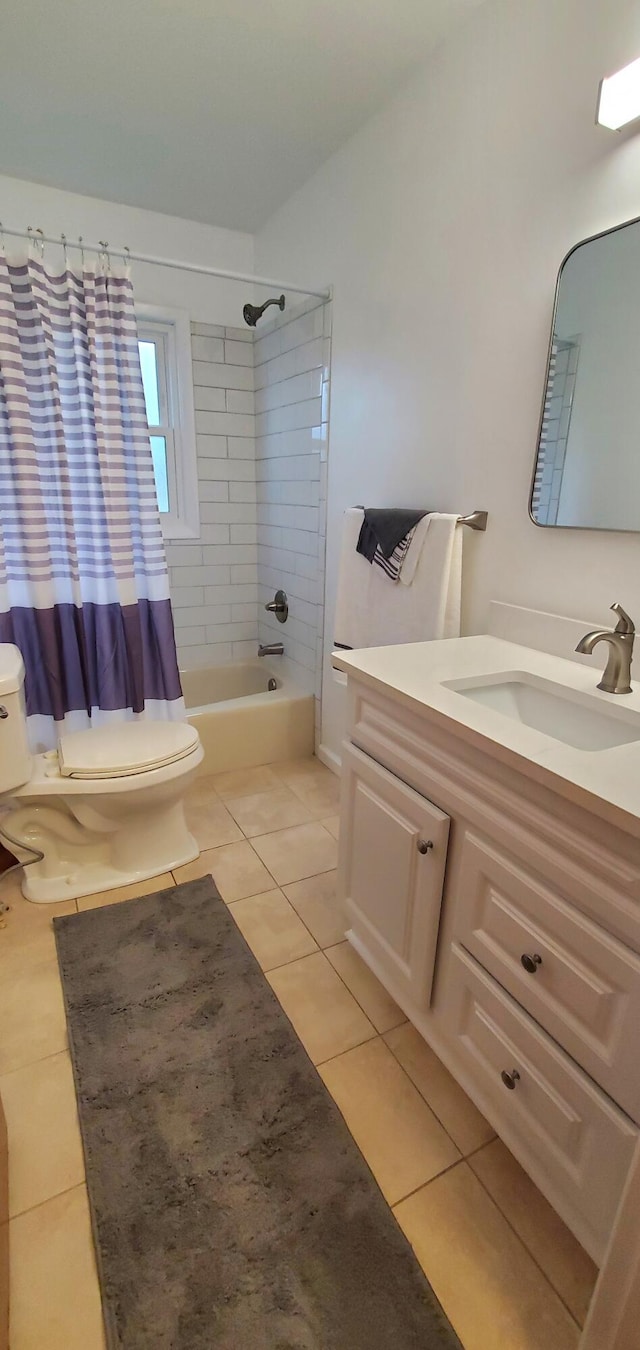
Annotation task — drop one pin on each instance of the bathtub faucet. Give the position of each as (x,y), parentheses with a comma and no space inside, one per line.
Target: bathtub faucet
(271,649)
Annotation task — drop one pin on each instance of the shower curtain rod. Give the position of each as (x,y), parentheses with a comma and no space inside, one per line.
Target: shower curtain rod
(128,255)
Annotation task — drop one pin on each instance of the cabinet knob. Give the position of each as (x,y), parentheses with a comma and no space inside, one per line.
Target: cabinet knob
(424,845)
(531,963)
(510,1079)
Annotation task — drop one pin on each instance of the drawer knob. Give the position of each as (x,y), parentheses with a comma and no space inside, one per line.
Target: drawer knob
(510,1079)
(424,845)
(531,963)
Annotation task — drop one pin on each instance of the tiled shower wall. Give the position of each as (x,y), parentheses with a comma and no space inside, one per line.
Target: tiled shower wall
(262,411)
(292,361)
(214,579)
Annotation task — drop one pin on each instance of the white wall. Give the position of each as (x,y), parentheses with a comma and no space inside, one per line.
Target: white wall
(442,225)
(208,300)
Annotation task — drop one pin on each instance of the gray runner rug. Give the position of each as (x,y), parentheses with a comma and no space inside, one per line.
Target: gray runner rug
(231,1208)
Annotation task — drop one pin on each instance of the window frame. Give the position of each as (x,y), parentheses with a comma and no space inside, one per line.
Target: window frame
(170,331)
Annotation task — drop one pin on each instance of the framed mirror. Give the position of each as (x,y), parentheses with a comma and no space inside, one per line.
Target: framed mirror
(587,469)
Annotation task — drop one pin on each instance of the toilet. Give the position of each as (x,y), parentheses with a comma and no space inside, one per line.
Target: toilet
(104,810)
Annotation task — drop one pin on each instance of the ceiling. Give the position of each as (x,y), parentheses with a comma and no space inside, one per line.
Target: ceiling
(214,110)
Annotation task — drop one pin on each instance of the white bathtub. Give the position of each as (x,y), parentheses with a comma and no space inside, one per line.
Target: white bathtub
(241,722)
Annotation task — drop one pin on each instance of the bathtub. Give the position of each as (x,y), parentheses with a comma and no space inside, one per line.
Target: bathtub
(241,721)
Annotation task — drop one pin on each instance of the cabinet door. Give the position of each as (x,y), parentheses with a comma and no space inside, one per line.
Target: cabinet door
(393,847)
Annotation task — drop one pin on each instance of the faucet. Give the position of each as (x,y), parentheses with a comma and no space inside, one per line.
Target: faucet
(617,675)
(271,649)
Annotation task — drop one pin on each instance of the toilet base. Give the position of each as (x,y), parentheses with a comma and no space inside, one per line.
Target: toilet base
(86,851)
(95,878)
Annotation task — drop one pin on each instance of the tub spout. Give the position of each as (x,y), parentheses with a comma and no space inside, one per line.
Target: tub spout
(271,649)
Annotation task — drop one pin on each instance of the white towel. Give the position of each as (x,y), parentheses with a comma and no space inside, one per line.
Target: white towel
(373,612)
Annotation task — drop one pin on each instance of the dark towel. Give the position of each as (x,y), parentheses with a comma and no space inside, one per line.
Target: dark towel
(384,528)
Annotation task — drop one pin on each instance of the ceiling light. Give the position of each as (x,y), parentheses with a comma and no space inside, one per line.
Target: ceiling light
(619,97)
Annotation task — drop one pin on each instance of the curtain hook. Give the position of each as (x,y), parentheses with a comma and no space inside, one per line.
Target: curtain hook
(63,239)
(127,253)
(3,243)
(40,242)
(81,247)
(104,255)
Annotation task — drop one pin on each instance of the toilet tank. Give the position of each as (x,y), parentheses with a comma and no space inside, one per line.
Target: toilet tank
(15,759)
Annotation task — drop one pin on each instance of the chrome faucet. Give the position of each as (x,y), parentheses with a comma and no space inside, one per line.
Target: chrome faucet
(617,675)
(271,649)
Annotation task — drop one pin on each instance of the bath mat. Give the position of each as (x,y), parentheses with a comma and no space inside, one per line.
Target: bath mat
(231,1208)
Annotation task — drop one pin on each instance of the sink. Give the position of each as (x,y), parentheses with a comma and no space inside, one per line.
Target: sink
(568,715)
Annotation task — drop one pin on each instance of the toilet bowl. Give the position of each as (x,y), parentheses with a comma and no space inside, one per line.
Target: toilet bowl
(105,809)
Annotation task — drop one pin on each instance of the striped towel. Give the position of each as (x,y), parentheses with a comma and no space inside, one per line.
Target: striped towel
(392,566)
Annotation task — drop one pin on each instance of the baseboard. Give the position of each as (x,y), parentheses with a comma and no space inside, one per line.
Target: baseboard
(330,759)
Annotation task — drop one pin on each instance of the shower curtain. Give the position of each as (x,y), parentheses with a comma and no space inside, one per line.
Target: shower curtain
(83,578)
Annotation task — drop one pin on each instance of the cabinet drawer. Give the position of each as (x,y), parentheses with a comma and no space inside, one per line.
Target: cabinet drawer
(574,1141)
(582,985)
(393,848)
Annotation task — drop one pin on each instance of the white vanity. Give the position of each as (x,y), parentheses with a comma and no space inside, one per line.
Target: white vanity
(490,869)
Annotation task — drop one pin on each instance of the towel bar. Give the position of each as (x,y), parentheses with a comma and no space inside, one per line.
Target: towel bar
(477,520)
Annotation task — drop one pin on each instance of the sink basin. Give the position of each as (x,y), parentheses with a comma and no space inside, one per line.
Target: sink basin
(568,715)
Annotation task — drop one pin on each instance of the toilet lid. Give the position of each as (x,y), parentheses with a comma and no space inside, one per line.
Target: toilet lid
(127,748)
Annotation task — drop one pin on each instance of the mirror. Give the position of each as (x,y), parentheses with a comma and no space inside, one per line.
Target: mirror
(587,471)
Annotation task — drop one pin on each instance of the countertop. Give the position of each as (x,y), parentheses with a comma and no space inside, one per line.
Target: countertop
(605,781)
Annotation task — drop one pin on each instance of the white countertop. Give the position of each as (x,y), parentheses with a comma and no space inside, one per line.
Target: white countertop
(604,781)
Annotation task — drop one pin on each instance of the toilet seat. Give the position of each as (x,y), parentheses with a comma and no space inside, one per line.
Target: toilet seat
(125,749)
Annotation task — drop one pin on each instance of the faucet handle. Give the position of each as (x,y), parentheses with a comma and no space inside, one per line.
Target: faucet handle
(624,624)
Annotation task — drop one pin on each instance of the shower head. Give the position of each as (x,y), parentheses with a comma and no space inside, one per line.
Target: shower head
(251,313)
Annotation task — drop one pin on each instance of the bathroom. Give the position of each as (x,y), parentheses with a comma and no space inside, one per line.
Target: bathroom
(411,182)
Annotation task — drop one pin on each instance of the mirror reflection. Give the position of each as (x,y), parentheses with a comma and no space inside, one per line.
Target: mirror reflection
(587,471)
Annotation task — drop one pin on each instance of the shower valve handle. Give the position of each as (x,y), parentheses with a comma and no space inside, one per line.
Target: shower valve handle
(279,606)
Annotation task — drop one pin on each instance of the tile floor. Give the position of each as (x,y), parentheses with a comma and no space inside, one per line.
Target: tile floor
(508,1272)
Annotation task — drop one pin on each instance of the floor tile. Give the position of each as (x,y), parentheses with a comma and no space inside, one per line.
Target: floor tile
(292,854)
(264,812)
(32,1019)
(450,1103)
(316,786)
(272,929)
(25,925)
(147,887)
(332,824)
(294,770)
(565,1263)
(55,1298)
(207,816)
(489,1286)
(235,868)
(316,902)
(245,782)
(365,987)
(324,1014)
(45,1148)
(403,1143)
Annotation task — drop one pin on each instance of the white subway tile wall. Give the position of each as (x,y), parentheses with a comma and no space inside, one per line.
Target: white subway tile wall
(214,580)
(291,369)
(262,416)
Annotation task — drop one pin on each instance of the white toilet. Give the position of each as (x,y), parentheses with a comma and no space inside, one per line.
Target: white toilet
(105,809)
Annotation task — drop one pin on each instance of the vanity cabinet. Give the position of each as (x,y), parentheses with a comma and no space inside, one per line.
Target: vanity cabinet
(392,874)
(516,955)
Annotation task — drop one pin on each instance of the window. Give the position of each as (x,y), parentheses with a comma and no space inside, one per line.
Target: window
(164,344)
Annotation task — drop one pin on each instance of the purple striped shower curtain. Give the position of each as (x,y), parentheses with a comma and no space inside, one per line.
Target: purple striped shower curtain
(84,587)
